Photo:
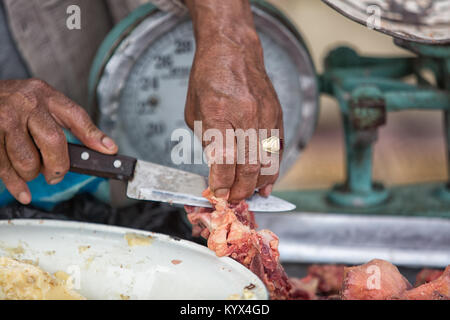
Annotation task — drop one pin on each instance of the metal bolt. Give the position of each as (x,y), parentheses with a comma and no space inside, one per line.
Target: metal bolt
(117,163)
(85,155)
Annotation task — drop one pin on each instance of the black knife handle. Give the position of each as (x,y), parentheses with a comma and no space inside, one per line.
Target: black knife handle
(87,161)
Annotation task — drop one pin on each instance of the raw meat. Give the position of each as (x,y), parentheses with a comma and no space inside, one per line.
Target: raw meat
(375,280)
(231,231)
(304,288)
(380,280)
(427,275)
(437,289)
(330,277)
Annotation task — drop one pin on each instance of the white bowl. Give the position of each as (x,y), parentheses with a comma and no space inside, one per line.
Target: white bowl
(104,266)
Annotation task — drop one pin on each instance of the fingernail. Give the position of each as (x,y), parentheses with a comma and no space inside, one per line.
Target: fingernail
(108,142)
(55,180)
(24,198)
(222,193)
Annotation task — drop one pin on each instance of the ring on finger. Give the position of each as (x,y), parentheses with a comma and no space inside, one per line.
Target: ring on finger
(272,144)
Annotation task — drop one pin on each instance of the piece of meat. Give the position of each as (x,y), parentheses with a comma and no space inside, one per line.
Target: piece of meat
(230,231)
(437,289)
(427,275)
(375,280)
(330,277)
(380,280)
(304,289)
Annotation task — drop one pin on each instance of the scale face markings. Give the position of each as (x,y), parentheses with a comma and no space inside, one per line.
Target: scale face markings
(155,93)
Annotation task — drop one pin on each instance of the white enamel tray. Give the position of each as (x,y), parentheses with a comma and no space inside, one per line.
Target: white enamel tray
(103,265)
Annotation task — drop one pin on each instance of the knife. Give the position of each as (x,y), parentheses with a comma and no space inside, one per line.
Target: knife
(150,181)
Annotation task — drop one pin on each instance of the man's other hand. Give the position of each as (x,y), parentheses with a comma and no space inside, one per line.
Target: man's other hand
(32,115)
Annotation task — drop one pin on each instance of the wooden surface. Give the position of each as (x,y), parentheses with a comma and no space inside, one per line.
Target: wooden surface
(410,147)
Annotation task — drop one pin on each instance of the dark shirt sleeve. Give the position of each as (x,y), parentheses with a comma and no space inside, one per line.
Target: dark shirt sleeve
(12,65)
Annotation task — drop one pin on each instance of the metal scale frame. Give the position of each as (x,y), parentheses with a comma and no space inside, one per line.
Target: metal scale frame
(366,88)
(361,219)
(351,223)
(140,75)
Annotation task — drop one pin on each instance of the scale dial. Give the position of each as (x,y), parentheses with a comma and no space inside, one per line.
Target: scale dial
(142,88)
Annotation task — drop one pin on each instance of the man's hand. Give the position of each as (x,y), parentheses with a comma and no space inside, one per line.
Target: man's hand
(229,89)
(32,115)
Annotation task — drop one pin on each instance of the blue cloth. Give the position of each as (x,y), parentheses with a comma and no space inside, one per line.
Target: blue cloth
(46,196)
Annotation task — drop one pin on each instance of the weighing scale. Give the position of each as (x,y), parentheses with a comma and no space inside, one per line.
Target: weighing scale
(140,80)
(138,87)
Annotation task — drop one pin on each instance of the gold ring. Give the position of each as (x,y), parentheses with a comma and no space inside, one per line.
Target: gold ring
(271,144)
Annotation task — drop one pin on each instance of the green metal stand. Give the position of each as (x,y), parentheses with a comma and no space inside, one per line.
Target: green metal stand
(366,89)
(415,200)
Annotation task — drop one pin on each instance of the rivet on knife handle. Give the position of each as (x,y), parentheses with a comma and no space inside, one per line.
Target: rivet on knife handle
(87,161)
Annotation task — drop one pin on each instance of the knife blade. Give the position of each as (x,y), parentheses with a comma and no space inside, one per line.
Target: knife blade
(151,181)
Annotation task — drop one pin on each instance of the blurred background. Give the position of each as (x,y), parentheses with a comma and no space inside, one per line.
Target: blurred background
(410,147)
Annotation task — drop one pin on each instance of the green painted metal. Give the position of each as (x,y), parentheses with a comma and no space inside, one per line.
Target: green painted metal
(419,99)
(359,189)
(366,88)
(416,200)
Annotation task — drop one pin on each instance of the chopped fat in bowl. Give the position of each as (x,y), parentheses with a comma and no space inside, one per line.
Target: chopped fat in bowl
(246,295)
(135,239)
(82,249)
(24,281)
(13,250)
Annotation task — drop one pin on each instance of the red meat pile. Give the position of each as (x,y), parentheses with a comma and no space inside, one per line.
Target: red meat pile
(231,231)
(380,280)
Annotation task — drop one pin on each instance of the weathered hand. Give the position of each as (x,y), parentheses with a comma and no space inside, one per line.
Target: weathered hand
(229,89)
(32,115)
